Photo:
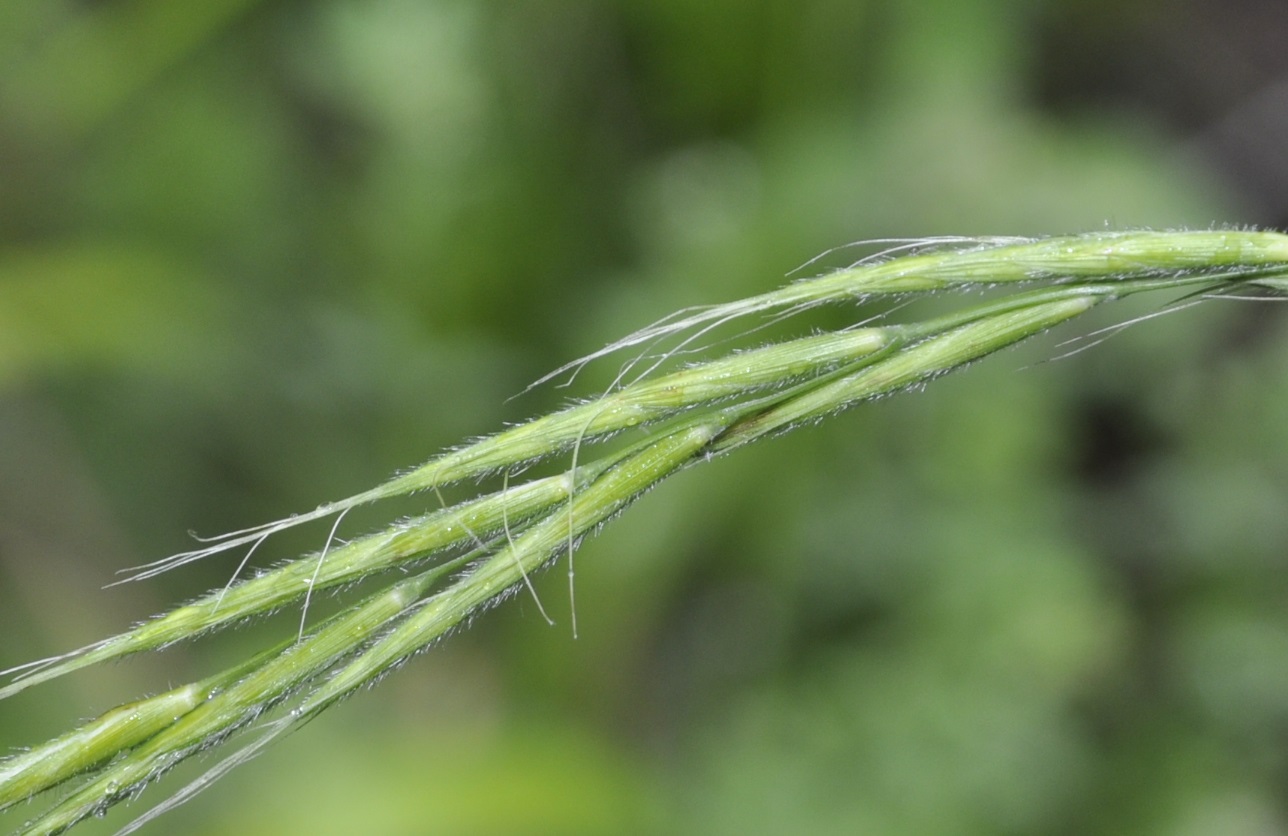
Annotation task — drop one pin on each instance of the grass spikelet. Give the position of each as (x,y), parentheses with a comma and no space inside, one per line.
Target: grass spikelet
(225,709)
(953,266)
(465,558)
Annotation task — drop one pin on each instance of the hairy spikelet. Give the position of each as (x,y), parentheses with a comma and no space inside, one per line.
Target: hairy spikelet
(459,560)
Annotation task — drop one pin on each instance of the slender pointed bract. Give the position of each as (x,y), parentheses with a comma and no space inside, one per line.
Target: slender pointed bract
(96,742)
(929,358)
(670,421)
(1217,255)
(236,704)
(458,526)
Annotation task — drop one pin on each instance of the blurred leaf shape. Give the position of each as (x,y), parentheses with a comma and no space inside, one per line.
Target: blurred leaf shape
(108,306)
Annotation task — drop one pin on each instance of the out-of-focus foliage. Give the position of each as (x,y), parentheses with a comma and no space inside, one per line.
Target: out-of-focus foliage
(254,256)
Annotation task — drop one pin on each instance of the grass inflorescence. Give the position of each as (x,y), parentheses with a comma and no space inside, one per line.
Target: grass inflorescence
(460,559)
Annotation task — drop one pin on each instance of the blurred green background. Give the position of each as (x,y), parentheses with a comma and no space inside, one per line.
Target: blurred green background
(254,256)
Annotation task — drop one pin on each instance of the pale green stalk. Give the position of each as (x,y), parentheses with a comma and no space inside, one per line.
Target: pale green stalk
(121,729)
(930,358)
(683,417)
(418,625)
(643,403)
(707,435)
(649,401)
(955,264)
(233,706)
(462,525)
(1118,256)
(413,626)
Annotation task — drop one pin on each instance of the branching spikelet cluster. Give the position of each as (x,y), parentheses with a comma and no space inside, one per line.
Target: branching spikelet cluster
(460,559)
